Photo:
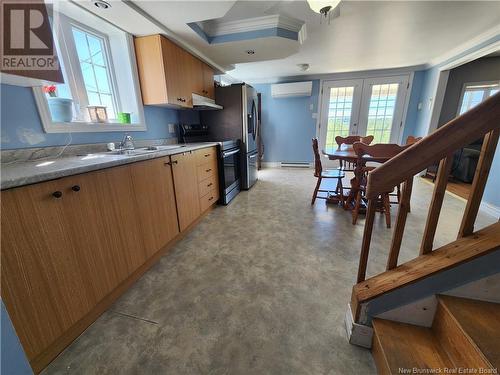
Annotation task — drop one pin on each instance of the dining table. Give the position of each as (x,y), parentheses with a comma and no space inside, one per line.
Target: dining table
(347,154)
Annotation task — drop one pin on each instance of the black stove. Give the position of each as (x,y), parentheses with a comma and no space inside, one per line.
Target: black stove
(229,154)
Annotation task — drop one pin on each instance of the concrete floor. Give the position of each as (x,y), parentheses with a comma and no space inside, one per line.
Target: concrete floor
(258,287)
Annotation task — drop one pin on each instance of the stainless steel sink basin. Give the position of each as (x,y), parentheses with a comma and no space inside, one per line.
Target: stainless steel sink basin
(144,150)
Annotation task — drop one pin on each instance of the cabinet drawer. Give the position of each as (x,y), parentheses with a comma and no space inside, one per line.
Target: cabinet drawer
(209,199)
(206,170)
(207,184)
(206,155)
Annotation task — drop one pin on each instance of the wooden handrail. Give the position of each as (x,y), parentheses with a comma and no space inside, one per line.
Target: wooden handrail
(456,134)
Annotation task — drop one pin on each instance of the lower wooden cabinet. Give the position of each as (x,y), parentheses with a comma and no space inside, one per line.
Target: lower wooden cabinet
(68,244)
(186,188)
(154,194)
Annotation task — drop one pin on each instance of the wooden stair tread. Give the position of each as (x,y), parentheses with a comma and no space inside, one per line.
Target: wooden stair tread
(480,321)
(399,345)
(464,249)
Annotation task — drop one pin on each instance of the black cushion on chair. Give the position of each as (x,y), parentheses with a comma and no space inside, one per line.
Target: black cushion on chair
(333,173)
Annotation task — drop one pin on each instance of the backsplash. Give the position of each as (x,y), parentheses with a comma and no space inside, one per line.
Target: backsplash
(22,127)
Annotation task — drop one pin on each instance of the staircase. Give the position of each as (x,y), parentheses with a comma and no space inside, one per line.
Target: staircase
(465,334)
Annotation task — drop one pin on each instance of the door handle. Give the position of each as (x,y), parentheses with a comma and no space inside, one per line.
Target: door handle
(226,154)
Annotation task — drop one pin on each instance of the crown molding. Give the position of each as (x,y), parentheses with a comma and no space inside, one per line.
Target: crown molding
(449,57)
(216,28)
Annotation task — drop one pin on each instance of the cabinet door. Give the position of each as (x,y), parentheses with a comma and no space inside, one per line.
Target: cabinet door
(114,195)
(154,193)
(186,188)
(195,75)
(173,63)
(208,81)
(43,285)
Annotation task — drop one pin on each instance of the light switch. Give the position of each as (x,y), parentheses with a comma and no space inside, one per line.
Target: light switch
(311,107)
(315,115)
(419,106)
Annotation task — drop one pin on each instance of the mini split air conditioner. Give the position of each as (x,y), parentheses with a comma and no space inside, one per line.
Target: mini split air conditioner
(289,90)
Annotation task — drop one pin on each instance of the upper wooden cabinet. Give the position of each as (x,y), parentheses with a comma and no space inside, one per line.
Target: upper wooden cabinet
(169,75)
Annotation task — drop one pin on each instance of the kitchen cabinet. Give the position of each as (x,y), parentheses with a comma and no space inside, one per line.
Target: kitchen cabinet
(154,193)
(186,188)
(208,81)
(70,245)
(44,285)
(206,171)
(169,75)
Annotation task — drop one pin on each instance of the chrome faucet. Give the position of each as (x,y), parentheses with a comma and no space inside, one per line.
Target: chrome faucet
(127,143)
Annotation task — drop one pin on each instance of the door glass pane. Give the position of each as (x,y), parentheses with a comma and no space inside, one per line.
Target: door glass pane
(339,114)
(381,111)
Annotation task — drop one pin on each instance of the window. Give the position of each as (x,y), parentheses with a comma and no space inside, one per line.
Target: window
(473,94)
(87,47)
(381,111)
(95,69)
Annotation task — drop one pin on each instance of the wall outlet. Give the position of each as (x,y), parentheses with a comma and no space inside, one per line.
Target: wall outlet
(171,128)
(315,115)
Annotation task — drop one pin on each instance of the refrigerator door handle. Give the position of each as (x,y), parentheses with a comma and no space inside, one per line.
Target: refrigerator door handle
(252,156)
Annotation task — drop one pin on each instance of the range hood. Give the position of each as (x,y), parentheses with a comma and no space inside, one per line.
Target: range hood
(202,103)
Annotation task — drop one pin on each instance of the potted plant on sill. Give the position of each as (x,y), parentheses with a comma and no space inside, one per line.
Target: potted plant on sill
(61,109)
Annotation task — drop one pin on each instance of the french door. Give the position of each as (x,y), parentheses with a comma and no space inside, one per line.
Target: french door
(371,106)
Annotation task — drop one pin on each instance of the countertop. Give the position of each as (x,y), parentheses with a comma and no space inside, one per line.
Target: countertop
(28,172)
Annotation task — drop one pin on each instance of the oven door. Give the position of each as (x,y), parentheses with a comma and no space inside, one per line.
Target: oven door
(230,176)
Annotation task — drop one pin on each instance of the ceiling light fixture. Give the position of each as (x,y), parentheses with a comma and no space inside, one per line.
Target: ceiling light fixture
(325,8)
(250,52)
(303,67)
(101,4)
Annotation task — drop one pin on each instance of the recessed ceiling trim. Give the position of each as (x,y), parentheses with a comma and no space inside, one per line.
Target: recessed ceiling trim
(219,27)
(214,32)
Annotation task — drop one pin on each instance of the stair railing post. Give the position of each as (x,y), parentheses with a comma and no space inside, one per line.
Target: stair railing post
(480,177)
(397,237)
(367,236)
(436,204)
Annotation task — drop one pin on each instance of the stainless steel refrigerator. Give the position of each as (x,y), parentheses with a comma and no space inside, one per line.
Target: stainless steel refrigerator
(238,120)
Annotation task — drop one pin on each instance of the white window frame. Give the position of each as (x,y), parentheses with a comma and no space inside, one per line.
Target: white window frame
(77,85)
(467,85)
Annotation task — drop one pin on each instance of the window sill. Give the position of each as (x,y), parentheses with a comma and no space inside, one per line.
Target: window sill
(85,127)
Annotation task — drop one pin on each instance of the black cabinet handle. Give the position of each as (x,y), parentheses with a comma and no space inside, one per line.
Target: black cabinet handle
(210,198)
(208,170)
(57,194)
(75,188)
(210,184)
(207,155)
(171,162)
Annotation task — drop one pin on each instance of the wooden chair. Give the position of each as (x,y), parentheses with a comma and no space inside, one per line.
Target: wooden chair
(320,174)
(348,166)
(380,150)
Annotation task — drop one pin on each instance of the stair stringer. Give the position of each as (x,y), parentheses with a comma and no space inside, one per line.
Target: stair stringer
(438,283)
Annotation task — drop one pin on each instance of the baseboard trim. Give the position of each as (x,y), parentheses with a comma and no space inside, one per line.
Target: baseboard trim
(278,164)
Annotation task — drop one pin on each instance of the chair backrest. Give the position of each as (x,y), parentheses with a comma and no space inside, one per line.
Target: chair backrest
(411,139)
(351,139)
(318,168)
(379,150)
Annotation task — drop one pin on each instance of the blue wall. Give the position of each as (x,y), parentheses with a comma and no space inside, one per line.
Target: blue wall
(427,93)
(412,112)
(13,359)
(19,113)
(287,125)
